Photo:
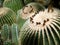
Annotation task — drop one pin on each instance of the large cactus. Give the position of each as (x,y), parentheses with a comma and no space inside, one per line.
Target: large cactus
(13,4)
(5,31)
(42,29)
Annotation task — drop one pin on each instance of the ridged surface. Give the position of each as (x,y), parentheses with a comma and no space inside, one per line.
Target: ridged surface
(9,34)
(7,16)
(49,34)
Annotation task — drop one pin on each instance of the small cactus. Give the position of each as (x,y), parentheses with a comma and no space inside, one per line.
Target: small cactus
(5,32)
(10,34)
(14,31)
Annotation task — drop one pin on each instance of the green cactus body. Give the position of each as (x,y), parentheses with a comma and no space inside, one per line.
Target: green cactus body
(10,34)
(14,31)
(7,16)
(13,4)
(24,14)
(43,29)
(5,32)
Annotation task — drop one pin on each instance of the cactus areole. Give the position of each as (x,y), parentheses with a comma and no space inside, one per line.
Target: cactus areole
(42,29)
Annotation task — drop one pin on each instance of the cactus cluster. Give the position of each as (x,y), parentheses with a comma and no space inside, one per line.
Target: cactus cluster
(29,22)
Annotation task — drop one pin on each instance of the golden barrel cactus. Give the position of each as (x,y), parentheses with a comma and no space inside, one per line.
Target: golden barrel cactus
(42,29)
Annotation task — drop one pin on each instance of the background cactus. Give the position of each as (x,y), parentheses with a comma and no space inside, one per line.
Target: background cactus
(7,16)
(5,31)
(13,4)
(10,34)
(14,31)
(42,29)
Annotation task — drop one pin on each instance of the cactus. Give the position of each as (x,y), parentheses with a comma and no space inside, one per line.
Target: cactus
(43,2)
(5,32)
(7,16)
(42,29)
(13,4)
(10,34)
(30,9)
(14,31)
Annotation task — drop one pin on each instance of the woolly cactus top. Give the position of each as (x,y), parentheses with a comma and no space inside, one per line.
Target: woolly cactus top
(43,18)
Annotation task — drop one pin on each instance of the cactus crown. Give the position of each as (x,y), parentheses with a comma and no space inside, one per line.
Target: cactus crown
(42,19)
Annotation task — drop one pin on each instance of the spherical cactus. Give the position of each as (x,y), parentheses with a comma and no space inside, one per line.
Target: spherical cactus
(29,10)
(42,29)
(13,4)
(7,16)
